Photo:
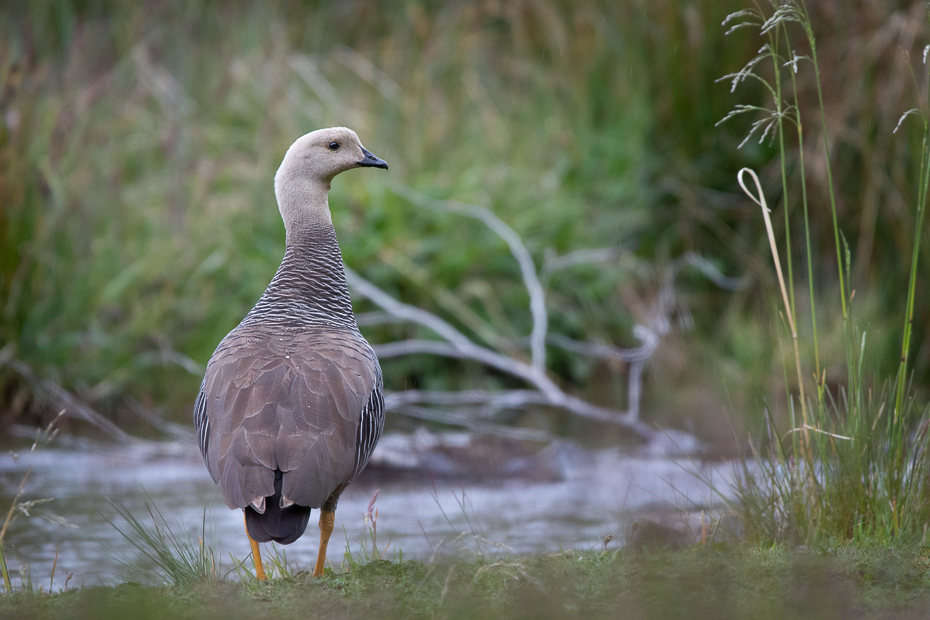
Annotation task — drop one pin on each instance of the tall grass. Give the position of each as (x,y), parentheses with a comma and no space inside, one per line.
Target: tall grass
(855,466)
(163,555)
(923,186)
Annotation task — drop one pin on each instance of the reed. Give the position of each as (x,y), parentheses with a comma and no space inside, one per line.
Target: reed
(923,186)
(860,470)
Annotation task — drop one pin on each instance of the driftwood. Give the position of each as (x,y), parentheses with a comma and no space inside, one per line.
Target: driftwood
(475,408)
(72,406)
(56,397)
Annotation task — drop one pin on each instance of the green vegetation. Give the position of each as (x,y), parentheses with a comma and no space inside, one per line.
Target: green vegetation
(173,559)
(138,223)
(853,465)
(852,582)
(709,580)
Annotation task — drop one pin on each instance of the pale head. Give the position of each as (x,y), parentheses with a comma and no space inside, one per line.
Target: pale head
(303,179)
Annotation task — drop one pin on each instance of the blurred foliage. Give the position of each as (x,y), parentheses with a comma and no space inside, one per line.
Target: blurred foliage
(139,140)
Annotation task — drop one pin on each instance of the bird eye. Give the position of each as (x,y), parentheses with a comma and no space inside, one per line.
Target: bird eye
(333,146)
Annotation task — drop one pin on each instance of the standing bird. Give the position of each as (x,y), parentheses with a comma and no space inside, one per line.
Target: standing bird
(291,405)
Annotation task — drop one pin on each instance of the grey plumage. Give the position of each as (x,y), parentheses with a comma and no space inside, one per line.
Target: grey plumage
(289,398)
(293,394)
(309,287)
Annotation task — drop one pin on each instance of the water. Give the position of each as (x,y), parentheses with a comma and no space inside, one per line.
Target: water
(602,492)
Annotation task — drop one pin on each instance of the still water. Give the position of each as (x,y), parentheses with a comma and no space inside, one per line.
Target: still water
(598,493)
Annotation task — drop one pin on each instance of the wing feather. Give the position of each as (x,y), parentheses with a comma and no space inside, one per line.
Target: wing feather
(289,399)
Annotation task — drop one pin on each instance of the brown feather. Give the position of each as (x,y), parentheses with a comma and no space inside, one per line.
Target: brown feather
(286,398)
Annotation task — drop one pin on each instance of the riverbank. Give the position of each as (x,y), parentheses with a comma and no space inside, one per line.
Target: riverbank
(704,582)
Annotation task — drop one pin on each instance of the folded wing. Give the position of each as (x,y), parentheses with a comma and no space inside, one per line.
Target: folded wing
(287,399)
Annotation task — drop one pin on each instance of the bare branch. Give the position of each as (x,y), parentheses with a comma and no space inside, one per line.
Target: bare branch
(57,397)
(555,263)
(635,388)
(412,347)
(460,346)
(604,414)
(457,418)
(703,265)
(508,399)
(608,351)
(662,308)
(517,249)
(453,336)
(171,429)
(367,319)
(455,344)
(406,312)
(637,358)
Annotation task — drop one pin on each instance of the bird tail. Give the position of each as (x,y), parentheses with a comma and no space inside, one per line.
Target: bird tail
(280,525)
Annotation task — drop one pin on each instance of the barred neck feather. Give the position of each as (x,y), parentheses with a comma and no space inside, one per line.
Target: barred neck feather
(310,286)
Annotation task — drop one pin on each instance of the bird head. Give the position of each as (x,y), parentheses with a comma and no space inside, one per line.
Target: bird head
(322,154)
(304,177)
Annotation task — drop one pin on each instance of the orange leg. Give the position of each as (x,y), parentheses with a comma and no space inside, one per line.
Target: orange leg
(327,521)
(256,556)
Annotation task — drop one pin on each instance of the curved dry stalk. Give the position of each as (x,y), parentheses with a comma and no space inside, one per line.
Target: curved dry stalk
(759,199)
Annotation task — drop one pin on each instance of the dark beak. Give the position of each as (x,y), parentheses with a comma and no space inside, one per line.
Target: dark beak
(371,161)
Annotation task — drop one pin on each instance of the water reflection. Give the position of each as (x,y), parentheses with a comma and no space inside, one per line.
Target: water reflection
(600,493)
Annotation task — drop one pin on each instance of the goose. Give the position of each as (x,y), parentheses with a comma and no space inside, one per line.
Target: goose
(291,405)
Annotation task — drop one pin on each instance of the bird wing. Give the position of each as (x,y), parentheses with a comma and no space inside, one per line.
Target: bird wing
(289,399)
